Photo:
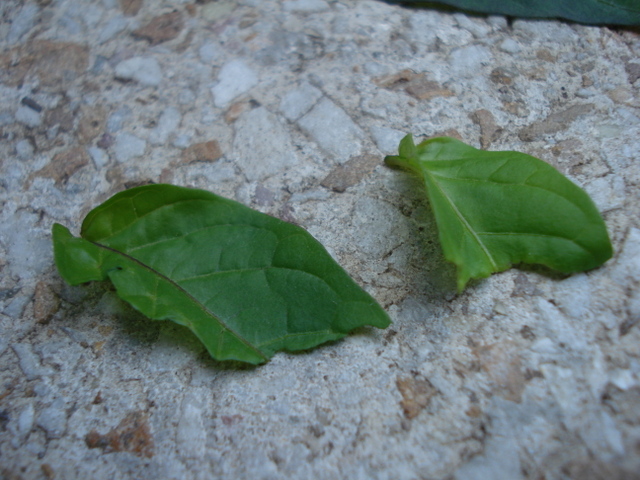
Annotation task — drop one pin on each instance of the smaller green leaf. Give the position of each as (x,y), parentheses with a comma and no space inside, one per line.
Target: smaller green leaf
(247,284)
(496,209)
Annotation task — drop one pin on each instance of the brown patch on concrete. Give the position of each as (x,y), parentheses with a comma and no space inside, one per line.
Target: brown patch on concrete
(489,130)
(504,368)
(130,7)
(131,435)
(92,123)
(202,152)
(161,28)
(45,302)
(62,166)
(415,84)
(416,393)
(354,170)
(57,64)
(555,122)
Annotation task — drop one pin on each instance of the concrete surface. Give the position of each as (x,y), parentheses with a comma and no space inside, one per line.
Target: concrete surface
(289,106)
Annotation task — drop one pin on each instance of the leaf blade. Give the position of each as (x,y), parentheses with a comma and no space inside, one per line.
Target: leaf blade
(216,266)
(597,12)
(496,209)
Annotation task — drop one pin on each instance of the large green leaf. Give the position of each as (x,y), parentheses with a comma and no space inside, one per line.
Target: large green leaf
(598,12)
(245,283)
(495,209)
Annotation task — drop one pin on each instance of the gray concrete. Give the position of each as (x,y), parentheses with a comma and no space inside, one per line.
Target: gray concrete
(521,376)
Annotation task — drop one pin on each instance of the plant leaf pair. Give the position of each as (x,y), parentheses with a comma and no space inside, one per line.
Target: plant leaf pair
(495,209)
(245,283)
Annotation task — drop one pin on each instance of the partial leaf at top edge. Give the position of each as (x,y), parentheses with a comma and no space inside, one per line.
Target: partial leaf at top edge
(595,12)
(247,284)
(496,209)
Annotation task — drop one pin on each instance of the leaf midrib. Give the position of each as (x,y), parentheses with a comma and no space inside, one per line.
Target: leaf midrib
(461,217)
(194,300)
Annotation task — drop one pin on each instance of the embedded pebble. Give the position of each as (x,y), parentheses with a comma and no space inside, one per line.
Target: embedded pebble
(333,130)
(28,116)
(167,124)
(22,22)
(387,139)
(24,149)
(299,101)
(262,146)
(99,156)
(29,361)
(128,146)
(305,6)
(468,61)
(509,45)
(144,70)
(235,78)
(112,28)
(53,419)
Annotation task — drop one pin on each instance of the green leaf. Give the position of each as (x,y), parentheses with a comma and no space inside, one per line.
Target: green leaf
(247,284)
(496,209)
(597,12)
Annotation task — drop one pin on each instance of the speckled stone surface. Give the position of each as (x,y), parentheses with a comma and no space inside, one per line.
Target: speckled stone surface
(289,107)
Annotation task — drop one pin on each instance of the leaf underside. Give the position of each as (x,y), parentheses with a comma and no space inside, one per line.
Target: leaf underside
(247,284)
(596,12)
(496,209)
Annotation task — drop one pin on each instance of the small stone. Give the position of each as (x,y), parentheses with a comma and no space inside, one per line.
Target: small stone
(22,22)
(387,139)
(112,28)
(62,166)
(234,79)
(210,53)
(24,149)
(416,392)
(299,101)
(633,71)
(105,141)
(162,28)
(29,362)
(131,435)
(333,130)
(238,108)
(305,6)
(28,116)
(415,84)
(262,146)
(144,70)
(555,122)
(468,61)
(92,123)
(502,76)
(53,419)
(99,157)
(202,152)
(128,146)
(509,45)
(45,302)
(167,124)
(117,119)
(60,117)
(263,196)
(477,28)
(130,7)
(489,131)
(354,170)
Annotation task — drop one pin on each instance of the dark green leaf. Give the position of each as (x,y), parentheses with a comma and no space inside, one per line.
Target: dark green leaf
(598,12)
(495,209)
(247,284)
